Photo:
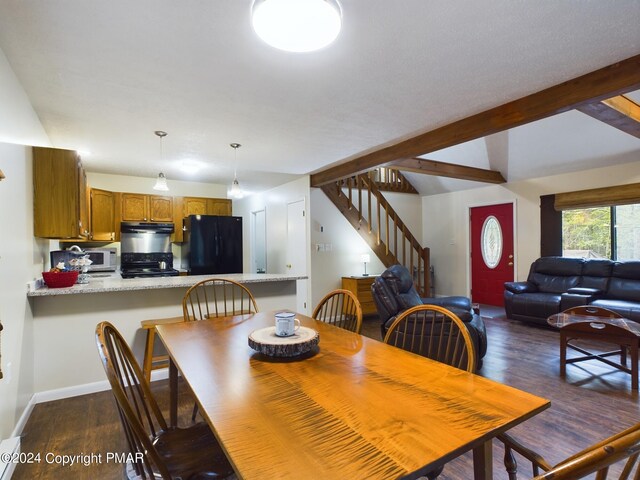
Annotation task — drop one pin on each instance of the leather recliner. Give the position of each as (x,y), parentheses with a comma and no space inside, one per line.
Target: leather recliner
(393,292)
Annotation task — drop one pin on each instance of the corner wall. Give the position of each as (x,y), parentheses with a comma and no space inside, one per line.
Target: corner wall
(21,258)
(329,226)
(274,203)
(449,242)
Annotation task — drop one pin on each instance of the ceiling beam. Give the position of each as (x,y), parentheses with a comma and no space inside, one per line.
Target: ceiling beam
(442,169)
(601,84)
(619,112)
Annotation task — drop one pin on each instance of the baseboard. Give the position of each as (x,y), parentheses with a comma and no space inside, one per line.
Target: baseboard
(22,421)
(9,446)
(68,392)
(159,374)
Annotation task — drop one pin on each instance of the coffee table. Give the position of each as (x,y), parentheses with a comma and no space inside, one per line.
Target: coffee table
(618,331)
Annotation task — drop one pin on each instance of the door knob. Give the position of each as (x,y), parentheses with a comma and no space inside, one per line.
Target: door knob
(510,264)
(510,256)
(288,265)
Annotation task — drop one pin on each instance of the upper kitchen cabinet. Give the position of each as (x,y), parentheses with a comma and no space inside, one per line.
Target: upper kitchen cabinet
(137,207)
(102,216)
(185,206)
(59,194)
(218,206)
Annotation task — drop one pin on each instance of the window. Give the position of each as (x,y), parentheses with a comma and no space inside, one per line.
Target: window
(602,232)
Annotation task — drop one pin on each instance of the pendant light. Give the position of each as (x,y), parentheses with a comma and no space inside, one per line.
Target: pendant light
(297,25)
(236,191)
(161,181)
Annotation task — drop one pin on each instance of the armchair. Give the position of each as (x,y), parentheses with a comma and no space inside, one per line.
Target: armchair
(394,292)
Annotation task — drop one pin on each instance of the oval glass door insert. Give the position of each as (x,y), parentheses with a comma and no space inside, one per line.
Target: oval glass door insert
(491,242)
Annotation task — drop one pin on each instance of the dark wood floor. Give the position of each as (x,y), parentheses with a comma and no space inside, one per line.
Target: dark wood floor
(591,403)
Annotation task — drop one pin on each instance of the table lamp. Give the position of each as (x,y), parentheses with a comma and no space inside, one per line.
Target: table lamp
(365,258)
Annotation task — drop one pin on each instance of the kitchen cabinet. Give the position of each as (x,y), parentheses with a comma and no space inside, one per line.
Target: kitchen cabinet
(137,207)
(198,206)
(60,207)
(102,215)
(218,206)
(360,286)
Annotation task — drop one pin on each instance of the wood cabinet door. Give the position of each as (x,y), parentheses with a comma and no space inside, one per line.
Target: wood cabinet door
(56,193)
(160,209)
(134,207)
(218,206)
(102,215)
(195,206)
(83,199)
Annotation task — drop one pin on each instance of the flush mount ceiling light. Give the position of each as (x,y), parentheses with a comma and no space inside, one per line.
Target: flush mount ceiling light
(161,182)
(236,191)
(297,25)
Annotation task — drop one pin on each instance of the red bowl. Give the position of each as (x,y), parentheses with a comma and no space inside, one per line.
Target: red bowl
(60,279)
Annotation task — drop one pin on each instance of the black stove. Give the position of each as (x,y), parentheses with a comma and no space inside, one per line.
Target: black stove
(144,265)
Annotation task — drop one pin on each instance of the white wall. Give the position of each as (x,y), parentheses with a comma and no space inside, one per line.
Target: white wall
(347,245)
(449,242)
(123,183)
(21,258)
(274,202)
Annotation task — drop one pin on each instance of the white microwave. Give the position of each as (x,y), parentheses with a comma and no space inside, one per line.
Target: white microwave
(103,259)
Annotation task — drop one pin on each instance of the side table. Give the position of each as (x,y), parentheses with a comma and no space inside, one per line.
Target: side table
(360,286)
(617,331)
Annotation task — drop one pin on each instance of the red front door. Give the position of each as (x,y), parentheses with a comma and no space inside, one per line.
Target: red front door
(491,252)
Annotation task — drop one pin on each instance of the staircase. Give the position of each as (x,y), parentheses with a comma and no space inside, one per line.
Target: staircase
(361,201)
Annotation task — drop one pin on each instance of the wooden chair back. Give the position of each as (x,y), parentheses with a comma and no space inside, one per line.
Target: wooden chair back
(436,333)
(141,417)
(620,450)
(593,311)
(340,308)
(217,297)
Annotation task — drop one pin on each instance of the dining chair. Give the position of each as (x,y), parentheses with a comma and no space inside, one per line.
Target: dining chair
(598,458)
(340,308)
(433,332)
(436,333)
(159,451)
(214,298)
(209,298)
(217,297)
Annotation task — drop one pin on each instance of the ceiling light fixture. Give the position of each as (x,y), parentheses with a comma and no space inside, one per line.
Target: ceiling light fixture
(236,191)
(161,182)
(297,25)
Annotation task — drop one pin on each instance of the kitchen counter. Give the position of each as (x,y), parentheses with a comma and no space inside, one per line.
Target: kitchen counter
(66,361)
(115,283)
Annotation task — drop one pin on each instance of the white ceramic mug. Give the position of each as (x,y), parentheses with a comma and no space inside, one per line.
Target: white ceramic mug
(286,324)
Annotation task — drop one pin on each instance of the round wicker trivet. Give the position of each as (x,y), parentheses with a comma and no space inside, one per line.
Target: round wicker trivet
(266,341)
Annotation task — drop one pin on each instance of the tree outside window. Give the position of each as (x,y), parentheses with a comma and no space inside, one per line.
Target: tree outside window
(588,232)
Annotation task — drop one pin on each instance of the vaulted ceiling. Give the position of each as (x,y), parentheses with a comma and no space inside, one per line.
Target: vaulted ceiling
(102,76)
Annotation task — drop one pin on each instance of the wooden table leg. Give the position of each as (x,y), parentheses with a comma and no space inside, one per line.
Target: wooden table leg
(483,461)
(563,354)
(634,366)
(173,393)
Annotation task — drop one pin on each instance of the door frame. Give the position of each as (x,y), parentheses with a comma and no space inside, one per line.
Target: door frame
(513,202)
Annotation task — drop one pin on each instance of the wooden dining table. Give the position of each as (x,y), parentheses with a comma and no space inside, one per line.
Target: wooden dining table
(352,408)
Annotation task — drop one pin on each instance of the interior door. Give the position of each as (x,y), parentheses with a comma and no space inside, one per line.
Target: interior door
(296,239)
(491,253)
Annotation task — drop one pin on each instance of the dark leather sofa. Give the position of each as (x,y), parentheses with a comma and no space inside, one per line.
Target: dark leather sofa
(393,292)
(557,283)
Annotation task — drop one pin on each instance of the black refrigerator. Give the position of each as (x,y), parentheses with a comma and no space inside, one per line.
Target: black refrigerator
(212,244)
